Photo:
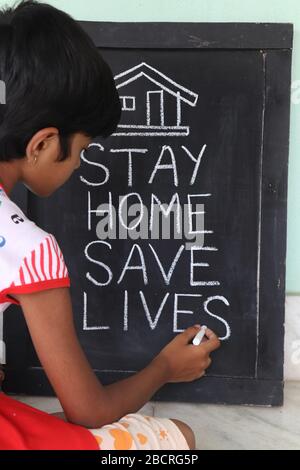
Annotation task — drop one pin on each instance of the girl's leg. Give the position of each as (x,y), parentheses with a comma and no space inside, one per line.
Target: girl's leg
(187,432)
(139,432)
(183,427)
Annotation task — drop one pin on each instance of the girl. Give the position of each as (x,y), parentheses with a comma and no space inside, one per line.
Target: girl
(60,94)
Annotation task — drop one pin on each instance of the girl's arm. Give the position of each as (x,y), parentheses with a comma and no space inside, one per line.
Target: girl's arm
(84,399)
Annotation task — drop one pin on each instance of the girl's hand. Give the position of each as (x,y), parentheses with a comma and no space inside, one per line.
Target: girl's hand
(185,362)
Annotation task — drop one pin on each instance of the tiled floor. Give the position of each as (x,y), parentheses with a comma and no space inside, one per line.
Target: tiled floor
(225,427)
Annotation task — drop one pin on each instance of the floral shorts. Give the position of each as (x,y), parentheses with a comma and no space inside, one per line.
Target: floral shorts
(139,432)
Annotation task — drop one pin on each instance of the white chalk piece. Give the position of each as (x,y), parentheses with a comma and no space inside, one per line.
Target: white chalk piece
(199,336)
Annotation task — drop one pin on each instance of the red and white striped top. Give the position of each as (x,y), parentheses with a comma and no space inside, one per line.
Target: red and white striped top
(45,263)
(30,258)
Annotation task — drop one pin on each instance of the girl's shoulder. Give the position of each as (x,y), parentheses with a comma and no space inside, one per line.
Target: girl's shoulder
(30,257)
(18,234)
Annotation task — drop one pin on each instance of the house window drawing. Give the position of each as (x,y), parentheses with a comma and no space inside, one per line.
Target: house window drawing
(128,103)
(155,102)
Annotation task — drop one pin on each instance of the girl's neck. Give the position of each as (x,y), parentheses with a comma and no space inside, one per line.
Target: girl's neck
(9,176)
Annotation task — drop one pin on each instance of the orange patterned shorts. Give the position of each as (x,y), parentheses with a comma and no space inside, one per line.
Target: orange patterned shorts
(139,432)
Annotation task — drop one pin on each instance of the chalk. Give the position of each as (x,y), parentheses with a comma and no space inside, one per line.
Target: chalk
(199,336)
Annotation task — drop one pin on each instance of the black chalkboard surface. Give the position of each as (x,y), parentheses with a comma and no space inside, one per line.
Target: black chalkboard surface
(204,131)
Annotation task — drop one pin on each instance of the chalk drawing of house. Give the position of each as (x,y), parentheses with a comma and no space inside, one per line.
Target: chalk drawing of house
(151,103)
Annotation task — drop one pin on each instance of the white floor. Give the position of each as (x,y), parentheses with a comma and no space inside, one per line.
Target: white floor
(225,427)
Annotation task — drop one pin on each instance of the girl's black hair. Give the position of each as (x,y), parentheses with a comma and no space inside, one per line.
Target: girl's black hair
(54,77)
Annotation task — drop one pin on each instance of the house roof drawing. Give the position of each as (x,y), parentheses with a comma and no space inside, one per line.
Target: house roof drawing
(159,79)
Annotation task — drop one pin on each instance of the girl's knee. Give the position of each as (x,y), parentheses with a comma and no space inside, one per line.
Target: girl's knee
(187,432)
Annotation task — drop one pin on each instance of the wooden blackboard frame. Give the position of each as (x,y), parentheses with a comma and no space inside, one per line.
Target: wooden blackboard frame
(274,41)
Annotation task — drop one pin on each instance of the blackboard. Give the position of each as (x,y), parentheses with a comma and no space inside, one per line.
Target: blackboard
(205,126)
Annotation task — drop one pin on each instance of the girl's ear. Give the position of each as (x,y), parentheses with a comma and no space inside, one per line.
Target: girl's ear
(42,141)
